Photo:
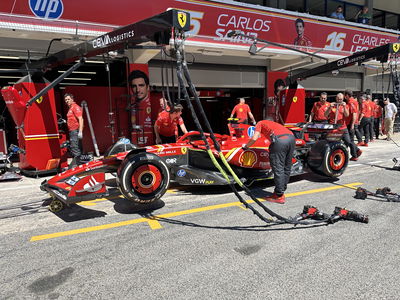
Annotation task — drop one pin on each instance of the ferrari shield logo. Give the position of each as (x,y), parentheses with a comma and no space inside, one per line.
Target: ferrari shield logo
(39,100)
(396,47)
(294,99)
(182,18)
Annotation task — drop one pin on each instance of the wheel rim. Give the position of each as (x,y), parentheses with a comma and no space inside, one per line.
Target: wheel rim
(146,179)
(337,159)
(56,206)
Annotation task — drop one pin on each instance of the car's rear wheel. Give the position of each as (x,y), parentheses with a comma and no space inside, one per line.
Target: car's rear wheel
(335,160)
(143,178)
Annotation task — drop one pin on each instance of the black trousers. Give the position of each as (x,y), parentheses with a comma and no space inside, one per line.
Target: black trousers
(349,143)
(377,123)
(371,128)
(280,155)
(365,128)
(355,131)
(167,139)
(75,146)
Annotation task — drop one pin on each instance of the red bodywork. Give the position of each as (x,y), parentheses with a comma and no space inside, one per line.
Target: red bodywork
(37,127)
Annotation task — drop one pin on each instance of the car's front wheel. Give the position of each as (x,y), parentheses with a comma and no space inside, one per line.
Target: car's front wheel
(143,178)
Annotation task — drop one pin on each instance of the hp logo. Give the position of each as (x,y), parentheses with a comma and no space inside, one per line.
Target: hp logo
(181,173)
(47,9)
(250,131)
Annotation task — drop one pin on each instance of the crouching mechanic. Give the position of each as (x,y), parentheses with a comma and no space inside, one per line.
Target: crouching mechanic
(166,126)
(280,154)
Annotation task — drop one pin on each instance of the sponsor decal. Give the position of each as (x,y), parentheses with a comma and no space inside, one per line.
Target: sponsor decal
(181,173)
(62,196)
(106,40)
(264,164)
(183,150)
(142,139)
(92,186)
(201,181)
(72,181)
(170,160)
(47,9)
(264,154)
(93,168)
(250,131)
(148,111)
(248,158)
(294,99)
(182,18)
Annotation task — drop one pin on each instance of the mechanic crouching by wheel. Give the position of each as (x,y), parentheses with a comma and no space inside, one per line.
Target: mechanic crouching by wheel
(280,154)
(166,126)
(336,114)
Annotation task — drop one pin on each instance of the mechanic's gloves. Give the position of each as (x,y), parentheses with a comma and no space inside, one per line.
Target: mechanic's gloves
(254,123)
(80,135)
(244,147)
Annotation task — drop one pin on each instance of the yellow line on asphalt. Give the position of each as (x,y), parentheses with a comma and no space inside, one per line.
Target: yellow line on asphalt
(152,220)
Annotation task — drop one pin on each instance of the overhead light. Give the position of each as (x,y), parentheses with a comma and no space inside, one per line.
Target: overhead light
(76,78)
(93,61)
(9,57)
(62,87)
(80,72)
(11,83)
(16,70)
(18,77)
(72,83)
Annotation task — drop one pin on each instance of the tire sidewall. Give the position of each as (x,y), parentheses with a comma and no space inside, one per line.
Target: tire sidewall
(327,168)
(129,165)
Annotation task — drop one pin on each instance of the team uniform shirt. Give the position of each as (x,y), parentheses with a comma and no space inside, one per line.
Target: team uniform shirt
(74,112)
(353,108)
(340,115)
(367,109)
(268,128)
(241,111)
(378,111)
(302,43)
(319,110)
(168,127)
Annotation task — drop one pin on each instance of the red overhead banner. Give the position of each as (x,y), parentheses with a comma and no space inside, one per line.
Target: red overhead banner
(214,20)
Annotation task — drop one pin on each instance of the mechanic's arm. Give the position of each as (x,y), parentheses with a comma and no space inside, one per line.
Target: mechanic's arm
(353,120)
(183,128)
(252,140)
(346,110)
(156,131)
(252,118)
(80,133)
(311,117)
(328,111)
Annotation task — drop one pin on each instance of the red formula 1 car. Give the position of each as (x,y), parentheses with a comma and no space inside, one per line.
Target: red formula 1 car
(143,174)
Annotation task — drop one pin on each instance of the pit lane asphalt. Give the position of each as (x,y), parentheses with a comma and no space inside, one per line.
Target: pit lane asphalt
(220,253)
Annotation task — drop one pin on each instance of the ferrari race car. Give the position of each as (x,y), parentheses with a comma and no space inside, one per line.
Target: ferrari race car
(143,174)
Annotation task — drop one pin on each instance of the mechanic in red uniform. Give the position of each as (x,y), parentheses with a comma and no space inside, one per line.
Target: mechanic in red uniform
(365,120)
(75,127)
(377,118)
(242,110)
(280,154)
(319,108)
(371,124)
(301,41)
(352,120)
(166,126)
(337,114)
